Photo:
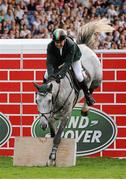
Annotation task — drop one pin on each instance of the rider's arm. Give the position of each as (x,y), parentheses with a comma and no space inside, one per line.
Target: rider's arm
(49,62)
(67,62)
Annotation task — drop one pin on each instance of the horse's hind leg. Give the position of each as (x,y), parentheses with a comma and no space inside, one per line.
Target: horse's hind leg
(95,84)
(85,109)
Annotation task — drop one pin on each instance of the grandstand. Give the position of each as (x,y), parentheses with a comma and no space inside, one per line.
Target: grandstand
(38,18)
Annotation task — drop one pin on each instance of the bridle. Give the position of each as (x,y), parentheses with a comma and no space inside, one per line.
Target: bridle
(43,114)
(52,111)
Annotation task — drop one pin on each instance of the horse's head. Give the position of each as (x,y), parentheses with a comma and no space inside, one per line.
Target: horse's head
(44,103)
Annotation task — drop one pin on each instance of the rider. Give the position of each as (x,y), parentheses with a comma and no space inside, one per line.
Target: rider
(63,51)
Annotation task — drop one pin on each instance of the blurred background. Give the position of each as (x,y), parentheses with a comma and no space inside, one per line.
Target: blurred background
(36,19)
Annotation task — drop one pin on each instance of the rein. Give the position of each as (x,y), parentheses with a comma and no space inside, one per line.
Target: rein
(63,103)
(60,108)
(54,103)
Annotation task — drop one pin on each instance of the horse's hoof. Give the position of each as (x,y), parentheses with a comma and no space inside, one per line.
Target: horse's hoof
(84,113)
(54,163)
(51,163)
(47,164)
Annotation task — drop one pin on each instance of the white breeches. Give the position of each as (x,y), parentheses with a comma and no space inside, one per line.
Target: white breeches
(77,68)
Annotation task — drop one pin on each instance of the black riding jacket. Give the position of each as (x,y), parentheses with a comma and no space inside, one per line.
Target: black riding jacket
(70,54)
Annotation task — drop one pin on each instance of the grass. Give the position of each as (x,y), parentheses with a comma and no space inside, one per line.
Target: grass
(91,168)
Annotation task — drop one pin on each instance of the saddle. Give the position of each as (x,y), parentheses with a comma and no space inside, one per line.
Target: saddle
(72,78)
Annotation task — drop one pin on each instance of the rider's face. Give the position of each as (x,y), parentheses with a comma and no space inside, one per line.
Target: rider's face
(59,44)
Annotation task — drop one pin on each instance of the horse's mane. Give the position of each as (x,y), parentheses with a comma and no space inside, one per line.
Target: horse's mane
(87,34)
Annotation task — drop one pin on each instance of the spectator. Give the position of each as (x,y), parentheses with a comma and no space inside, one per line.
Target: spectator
(36,22)
(2,15)
(3,6)
(11,34)
(18,13)
(31,6)
(111,11)
(5,34)
(24,32)
(39,18)
(9,16)
(123,11)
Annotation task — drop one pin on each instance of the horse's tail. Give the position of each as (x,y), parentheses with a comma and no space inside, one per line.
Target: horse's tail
(88,33)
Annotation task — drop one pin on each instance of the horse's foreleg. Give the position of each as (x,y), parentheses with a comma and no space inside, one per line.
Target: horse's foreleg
(52,129)
(57,140)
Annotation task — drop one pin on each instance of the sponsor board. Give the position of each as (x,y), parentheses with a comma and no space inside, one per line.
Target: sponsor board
(93,133)
(5,129)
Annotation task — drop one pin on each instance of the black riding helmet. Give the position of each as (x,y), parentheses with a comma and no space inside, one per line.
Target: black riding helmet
(59,35)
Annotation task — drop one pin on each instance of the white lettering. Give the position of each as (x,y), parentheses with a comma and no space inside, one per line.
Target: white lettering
(73,122)
(79,136)
(95,138)
(69,134)
(87,137)
(93,123)
(83,122)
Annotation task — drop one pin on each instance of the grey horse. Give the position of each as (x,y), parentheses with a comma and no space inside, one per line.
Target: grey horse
(56,100)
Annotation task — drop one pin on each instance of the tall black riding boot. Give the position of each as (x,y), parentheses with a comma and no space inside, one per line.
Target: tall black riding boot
(89,99)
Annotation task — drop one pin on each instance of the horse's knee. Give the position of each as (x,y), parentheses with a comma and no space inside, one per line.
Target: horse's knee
(52,134)
(57,138)
(52,130)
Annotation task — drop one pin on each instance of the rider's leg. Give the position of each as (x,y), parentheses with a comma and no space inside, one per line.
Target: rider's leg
(78,73)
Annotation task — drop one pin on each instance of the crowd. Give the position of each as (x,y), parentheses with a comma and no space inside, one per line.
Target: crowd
(38,19)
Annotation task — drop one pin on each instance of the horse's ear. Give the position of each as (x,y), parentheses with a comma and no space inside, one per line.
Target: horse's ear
(36,85)
(49,89)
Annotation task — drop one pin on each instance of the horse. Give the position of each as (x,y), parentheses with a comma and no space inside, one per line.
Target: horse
(56,100)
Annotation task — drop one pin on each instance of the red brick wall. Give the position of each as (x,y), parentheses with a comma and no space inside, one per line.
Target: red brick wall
(17,102)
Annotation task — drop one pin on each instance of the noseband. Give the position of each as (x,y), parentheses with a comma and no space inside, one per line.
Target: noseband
(52,112)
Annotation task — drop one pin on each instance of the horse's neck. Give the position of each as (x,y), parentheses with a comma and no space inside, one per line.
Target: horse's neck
(62,90)
(55,87)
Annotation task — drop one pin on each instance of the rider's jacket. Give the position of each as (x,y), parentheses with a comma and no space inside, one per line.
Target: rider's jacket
(70,53)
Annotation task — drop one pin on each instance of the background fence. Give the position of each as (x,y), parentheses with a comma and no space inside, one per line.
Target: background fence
(23,61)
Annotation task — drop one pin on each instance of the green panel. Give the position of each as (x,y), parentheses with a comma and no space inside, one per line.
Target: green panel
(92,133)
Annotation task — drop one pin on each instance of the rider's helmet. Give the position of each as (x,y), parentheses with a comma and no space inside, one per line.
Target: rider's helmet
(59,35)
